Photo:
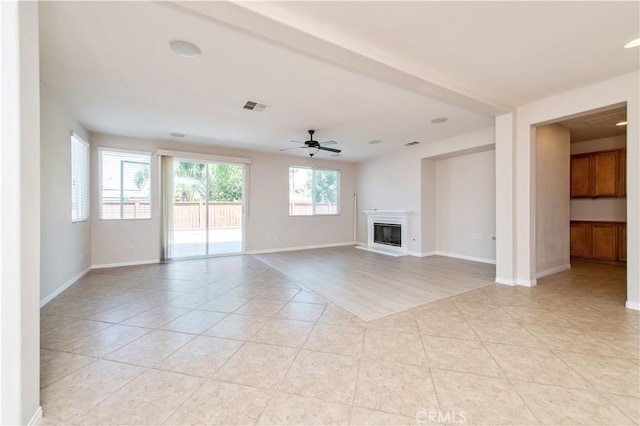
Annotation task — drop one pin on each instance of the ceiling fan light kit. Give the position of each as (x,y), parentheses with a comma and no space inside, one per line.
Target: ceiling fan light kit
(313,146)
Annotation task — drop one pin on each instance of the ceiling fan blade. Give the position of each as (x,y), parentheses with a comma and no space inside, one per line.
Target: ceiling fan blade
(325,143)
(329,149)
(295,147)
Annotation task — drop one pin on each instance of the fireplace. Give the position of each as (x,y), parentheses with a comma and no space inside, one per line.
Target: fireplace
(387,232)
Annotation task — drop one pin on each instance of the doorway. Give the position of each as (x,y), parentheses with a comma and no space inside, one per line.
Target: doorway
(580,190)
(207,217)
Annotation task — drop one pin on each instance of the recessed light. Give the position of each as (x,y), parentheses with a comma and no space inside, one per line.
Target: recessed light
(184,48)
(632,44)
(622,123)
(439,120)
(177,134)
(375,142)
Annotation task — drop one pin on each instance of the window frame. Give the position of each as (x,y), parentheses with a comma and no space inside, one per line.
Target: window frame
(81,212)
(313,191)
(101,150)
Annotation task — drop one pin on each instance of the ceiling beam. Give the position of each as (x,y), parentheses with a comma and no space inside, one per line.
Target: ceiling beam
(270,22)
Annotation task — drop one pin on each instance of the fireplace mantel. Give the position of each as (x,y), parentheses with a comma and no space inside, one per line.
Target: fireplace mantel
(396,217)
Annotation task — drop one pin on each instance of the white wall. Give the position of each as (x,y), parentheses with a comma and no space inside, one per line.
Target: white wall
(552,199)
(613,92)
(607,209)
(65,250)
(268,226)
(466,206)
(391,183)
(19,214)
(428,207)
(613,142)
(395,182)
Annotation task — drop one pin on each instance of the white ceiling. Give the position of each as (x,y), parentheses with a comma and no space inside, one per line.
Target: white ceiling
(355,72)
(596,125)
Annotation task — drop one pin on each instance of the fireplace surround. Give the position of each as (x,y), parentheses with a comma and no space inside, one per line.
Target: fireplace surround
(386,232)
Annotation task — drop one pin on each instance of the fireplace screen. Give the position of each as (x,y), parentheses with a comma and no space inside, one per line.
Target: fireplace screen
(387,233)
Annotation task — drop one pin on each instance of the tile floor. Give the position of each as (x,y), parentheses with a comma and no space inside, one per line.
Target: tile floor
(232,341)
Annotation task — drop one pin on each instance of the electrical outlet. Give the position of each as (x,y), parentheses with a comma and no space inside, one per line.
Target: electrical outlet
(133,248)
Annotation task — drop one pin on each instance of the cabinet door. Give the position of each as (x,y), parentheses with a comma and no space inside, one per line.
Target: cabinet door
(622,243)
(580,176)
(580,243)
(622,174)
(605,174)
(604,241)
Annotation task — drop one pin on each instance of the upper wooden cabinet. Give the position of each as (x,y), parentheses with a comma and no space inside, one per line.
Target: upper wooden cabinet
(598,174)
(580,176)
(622,174)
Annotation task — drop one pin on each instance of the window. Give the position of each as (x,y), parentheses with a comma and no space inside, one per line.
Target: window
(313,191)
(125,184)
(79,179)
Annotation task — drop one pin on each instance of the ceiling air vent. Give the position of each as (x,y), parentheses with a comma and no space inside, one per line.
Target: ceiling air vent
(411,143)
(605,118)
(254,106)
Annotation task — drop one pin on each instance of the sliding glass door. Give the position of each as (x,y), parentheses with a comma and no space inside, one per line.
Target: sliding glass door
(207,212)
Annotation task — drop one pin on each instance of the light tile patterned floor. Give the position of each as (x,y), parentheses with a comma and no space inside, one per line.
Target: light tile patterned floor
(232,341)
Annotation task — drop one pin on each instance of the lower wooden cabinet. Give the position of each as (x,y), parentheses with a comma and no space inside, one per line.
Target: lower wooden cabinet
(580,240)
(603,241)
(622,243)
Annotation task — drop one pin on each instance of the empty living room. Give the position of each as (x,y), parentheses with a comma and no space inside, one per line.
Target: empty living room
(319,213)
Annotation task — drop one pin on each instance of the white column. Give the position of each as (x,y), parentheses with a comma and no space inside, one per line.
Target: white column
(525,202)
(633,195)
(505,199)
(19,214)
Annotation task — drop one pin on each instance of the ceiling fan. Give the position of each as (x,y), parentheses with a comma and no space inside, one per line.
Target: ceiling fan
(313,147)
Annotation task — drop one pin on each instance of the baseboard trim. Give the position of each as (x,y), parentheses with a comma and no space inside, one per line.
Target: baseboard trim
(36,419)
(527,283)
(119,264)
(63,287)
(314,246)
(504,281)
(552,271)
(391,253)
(423,254)
(463,257)
(632,305)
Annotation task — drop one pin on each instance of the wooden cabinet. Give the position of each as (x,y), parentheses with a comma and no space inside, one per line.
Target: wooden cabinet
(622,174)
(580,243)
(598,174)
(602,241)
(580,176)
(622,243)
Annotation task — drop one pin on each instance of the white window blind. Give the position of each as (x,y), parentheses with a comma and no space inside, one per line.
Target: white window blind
(313,191)
(79,179)
(125,184)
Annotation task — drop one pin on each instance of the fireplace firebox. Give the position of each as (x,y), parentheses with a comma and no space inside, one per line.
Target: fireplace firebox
(389,234)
